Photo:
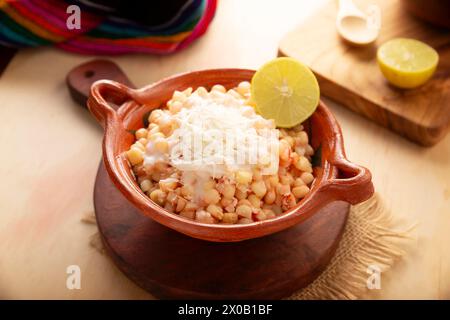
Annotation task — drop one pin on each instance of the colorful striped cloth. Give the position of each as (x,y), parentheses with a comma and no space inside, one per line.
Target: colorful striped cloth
(103,30)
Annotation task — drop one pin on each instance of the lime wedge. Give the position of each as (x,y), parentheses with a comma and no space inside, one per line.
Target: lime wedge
(407,63)
(285,90)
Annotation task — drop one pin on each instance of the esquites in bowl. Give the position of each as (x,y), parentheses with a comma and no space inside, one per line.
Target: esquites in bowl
(227,154)
(208,156)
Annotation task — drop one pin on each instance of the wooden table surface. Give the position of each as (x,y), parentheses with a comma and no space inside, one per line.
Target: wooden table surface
(51,149)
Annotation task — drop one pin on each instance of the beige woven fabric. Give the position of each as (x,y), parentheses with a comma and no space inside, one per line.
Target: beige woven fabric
(369,239)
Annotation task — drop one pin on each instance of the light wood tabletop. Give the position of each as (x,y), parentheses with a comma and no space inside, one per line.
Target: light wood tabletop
(51,151)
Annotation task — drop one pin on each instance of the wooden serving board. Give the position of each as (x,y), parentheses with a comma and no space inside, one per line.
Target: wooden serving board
(171,265)
(350,75)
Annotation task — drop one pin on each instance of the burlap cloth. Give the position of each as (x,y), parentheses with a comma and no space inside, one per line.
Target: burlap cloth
(371,238)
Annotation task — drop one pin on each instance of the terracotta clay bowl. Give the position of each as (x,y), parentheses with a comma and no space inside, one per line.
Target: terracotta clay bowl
(336,177)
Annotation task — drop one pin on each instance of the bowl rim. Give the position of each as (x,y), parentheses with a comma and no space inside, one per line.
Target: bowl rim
(354,189)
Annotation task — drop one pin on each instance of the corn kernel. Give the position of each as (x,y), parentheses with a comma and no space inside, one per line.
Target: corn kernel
(230,217)
(187,91)
(203,217)
(178,96)
(239,194)
(254,200)
(277,209)
(287,179)
(303,164)
(228,191)
(244,211)
(303,138)
(153,130)
(259,188)
(228,204)
(161,145)
(248,111)
(270,196)
(244,177)
(290,141)
(234,93)
(158,196)
(274,180)
(166,126)
(215,211)
(211,196)
(299,182)
(181,204)
(210,184)
(168,207)
(143,141)
(141,133)
(269,213)
(168,184)
(300,192)
(219,88)
(155,115)
(288,201)
(190,206)
(309,151)
(187,191)
(175,107)
(260,216)
(201,92)
(243,88)
(138,145)
(300,150)
(244,201)
(172,197)
(284,150)
(257,176)
(146,185)
(154,136)
(283,189)
(307,177)
(135,156)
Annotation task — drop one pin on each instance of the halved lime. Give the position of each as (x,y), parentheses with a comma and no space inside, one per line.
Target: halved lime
(407,63)
(285,90)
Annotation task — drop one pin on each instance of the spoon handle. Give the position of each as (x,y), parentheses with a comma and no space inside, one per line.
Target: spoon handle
(80,79)
(348,7)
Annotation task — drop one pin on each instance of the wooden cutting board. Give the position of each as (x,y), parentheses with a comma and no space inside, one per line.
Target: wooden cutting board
(350,75)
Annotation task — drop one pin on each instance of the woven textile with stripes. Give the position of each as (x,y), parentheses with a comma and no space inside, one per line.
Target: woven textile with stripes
(106,27)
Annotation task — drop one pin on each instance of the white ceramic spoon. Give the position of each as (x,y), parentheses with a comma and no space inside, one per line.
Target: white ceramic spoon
(354,26)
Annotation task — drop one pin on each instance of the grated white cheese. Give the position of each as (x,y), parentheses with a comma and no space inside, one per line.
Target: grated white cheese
(218,135)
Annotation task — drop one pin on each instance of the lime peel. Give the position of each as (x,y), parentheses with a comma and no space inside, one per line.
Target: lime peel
(285,90)
(407,63)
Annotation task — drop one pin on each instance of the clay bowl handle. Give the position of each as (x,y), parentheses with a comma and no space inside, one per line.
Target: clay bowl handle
(80,79)
(352,184)
(106,97)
